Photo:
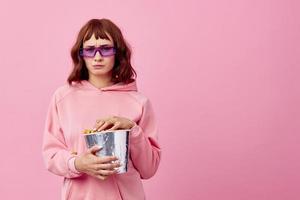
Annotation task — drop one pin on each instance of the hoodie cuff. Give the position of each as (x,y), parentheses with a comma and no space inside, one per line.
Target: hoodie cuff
(71,165)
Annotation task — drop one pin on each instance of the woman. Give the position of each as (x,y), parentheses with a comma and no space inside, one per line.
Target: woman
(101,93)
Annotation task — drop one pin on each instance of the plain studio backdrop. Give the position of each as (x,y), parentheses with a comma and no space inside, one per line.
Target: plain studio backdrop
(223,76)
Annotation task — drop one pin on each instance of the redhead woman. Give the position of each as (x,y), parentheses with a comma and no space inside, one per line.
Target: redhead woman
(100,94)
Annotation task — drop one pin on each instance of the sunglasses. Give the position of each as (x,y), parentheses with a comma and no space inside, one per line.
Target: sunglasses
(104,51)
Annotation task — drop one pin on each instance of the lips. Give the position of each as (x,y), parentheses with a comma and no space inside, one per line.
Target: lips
(98,66)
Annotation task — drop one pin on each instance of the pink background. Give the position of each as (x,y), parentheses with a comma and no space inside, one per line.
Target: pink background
(223,76)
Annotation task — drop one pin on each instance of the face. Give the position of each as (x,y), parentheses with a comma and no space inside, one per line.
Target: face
(99,65)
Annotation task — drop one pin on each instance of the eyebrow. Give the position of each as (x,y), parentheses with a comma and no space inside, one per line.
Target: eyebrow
(104,45)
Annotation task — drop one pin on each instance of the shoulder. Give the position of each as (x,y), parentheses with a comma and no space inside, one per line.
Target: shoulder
(62,91)
(141,98)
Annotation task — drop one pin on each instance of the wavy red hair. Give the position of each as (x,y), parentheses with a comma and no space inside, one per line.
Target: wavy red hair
(122,70)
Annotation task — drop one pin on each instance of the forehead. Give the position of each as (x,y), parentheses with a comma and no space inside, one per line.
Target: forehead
(92,41)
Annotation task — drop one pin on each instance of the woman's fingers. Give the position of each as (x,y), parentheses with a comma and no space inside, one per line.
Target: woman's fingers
(105,159)
(104,126)
(98,124)
(106,172)
(102,177)
(106,166)
(112,123)
(110,166)
(116,126)
(94,149)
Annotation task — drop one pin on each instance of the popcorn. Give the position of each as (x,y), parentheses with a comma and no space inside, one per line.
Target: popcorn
(88,131)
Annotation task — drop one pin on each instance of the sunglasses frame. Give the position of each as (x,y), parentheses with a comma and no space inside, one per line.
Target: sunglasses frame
(99,49)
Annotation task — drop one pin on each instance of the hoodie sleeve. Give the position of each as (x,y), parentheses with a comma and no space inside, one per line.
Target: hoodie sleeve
(145,151)
(57,157)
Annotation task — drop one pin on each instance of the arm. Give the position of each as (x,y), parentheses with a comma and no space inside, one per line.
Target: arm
(58,159)
(144,149)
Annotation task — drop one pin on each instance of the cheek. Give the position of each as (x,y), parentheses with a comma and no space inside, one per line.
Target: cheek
(111,60)
(87,61)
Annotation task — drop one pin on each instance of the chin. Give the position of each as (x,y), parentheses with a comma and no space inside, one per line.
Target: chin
(100,73)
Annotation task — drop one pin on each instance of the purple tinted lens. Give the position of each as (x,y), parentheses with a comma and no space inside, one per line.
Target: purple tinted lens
(107,51)
(104,51)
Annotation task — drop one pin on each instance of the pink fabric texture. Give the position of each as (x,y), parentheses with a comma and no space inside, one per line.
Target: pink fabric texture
(77,107)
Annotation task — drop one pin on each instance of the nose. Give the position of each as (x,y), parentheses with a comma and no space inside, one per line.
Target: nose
(97,55)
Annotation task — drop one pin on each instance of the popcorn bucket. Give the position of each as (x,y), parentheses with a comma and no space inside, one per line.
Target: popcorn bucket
(113,143)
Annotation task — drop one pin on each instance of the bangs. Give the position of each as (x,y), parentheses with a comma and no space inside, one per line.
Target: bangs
(96,29)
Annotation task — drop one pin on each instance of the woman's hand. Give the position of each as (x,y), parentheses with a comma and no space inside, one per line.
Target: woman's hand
(113,123)
(99,167)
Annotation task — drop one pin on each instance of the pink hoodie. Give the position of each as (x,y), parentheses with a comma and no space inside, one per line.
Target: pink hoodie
(77,107)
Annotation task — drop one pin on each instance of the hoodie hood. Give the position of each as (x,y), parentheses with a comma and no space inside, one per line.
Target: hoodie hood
(116,87)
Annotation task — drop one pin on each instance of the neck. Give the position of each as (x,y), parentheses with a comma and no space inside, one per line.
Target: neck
(100,82)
